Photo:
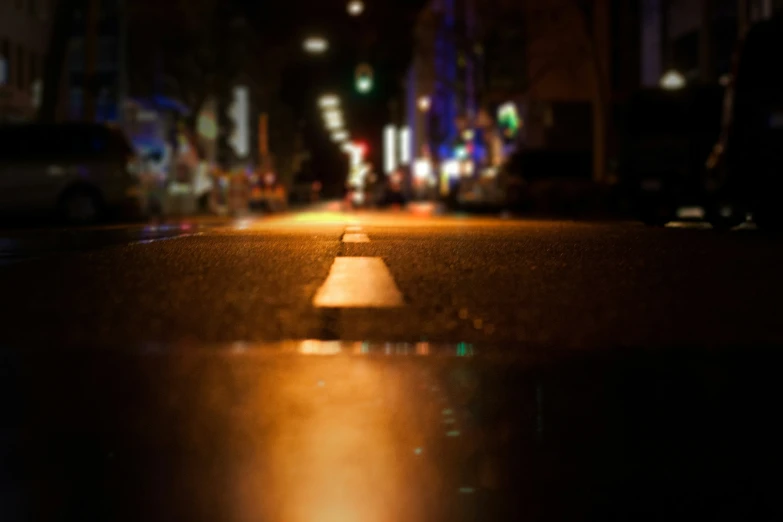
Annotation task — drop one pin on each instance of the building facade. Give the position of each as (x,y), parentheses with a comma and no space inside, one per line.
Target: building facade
(502,74)
(108,84)
(24,32)
(695,37)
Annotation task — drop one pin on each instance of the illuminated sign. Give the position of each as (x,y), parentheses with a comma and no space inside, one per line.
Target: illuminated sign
(405,145)
(240,116)
(389,148)
(509,120)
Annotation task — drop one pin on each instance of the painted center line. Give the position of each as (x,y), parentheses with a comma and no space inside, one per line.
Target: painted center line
(358,282)
(356,238)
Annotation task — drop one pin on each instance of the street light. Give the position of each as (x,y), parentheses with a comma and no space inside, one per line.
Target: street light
(355,7)
(424,103)
(332,114)
(334,119)
(315,45)
(329,101)
(672,81)
(334,124)
(339,136)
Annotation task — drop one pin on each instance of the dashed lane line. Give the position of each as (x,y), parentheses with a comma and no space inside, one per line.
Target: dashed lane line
(355,238)
(358,282)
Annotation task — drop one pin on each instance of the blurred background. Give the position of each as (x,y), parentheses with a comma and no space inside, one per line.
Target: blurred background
(565,105)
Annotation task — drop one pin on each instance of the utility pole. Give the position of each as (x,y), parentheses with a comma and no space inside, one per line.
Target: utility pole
(90,52)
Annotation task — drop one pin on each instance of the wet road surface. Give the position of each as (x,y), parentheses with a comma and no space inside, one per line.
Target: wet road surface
(324,366)
(361,432)
(328,275)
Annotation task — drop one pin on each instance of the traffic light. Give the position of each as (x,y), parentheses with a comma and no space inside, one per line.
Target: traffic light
(364,78)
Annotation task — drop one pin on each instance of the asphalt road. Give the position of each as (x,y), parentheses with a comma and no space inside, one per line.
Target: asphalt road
(486,281)
(478,369)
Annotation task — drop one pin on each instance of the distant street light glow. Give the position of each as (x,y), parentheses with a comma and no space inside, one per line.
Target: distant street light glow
(334,124)
(424,103)
(672,81)
(355,7)
(333,114)
(451,168)
(329,101)
(422,169)
(315,45)
(333,118)
(339,136)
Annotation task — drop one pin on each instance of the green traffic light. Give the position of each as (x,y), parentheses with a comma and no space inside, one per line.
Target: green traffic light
(364,84)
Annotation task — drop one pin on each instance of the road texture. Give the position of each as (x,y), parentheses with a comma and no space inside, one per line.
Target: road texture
(375,367)
(485,281)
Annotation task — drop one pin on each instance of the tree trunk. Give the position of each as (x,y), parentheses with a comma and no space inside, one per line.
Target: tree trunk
(56,54)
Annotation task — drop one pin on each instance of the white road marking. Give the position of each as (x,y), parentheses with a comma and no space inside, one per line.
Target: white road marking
(358,282)
(355,238)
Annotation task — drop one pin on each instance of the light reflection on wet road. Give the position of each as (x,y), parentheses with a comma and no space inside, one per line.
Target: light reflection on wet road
(310,432)
(160,381)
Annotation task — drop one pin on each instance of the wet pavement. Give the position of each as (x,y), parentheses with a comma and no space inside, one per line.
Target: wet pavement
(446,279)
(379,432)
(376,367)
(18,244)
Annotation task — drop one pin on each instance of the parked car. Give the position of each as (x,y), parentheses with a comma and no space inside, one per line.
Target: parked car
(666,138)
(746,166)
(81,173)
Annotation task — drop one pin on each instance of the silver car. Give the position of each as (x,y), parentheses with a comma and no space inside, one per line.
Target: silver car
(80,173)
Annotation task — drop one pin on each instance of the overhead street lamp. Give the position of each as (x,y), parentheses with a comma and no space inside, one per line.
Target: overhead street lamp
(424,103)
(355,7)
(332,114)
(334,124)
(329,101)
(339,136)
(315,45)
(672,81)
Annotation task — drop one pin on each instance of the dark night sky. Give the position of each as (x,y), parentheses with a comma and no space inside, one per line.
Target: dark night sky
(381,36)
